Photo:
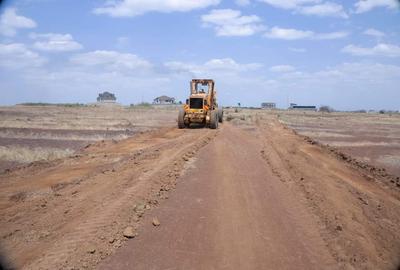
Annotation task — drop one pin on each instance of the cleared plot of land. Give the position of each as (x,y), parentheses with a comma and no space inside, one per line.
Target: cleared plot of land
(31,133)
(250,195)
(372,138)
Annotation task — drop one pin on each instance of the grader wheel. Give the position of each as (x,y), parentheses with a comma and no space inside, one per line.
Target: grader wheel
(214,119)
(220,115)
(181,119)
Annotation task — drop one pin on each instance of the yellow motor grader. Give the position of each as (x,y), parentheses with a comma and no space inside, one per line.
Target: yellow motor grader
(201,107)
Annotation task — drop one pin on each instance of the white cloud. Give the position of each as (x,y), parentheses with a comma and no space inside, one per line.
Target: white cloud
(372,85)
(74,83)
(375,33)
(282,68)
(10,22)
(228,22)
(242,2)
(111,61)
(381,49)
(288,34)
(327,9)
(212,67)
(330,36)
(295,34)
(357,74)
(289,4)
(84,75)
(130,8)
(55,42)
(310,7)
(16,55)
(361,72)
(363,6)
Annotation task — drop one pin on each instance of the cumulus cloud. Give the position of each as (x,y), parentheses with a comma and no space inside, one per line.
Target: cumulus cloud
(327,9)
(17,55)
(376,72)
(79,79)
(310,7)
(130,8)
(381,49)
(289,4)
(212,67)
(242,2)
(295,34)
(330,36)
(55,42)
(363,6)
(282,68)
(360,75)
(288,33)
(10,22)
(228,22)
(87,73)
(111,60)
(369,83)
(127,75)
(375,33)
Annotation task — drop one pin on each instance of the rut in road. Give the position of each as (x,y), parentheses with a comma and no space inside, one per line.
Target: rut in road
(229,212)
(261,197)
(358,214)
(251,195)
(73,207)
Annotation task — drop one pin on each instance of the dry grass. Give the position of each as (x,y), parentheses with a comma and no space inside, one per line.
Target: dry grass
(86,118)
(362,144)
(72,124)
(364,120)
(240,117)
(371,137)
(27,155)
(388,159)
(323,134)
(48,135)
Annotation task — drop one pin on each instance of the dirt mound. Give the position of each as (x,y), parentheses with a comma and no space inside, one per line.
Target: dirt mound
(372,173)
(72,212)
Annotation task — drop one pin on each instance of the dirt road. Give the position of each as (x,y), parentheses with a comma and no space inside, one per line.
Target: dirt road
(231,212)
(251,196)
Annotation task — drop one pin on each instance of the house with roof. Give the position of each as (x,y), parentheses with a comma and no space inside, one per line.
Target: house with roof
(163,100)
(106,97)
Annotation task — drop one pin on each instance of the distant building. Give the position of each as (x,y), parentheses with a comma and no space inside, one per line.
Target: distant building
(294,106)
(106,97)
(268,105)
(164,100)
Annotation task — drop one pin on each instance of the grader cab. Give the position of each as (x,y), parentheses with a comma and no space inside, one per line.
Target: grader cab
(201,107)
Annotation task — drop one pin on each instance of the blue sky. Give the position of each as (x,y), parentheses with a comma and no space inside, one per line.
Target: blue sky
(345,54)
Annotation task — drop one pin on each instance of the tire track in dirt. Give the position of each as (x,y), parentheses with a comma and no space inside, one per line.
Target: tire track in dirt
(104,209)
(260,196)
(229,212)
(356,216)
(256,197)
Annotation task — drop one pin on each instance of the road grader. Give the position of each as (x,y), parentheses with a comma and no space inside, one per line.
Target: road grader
(201,107)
